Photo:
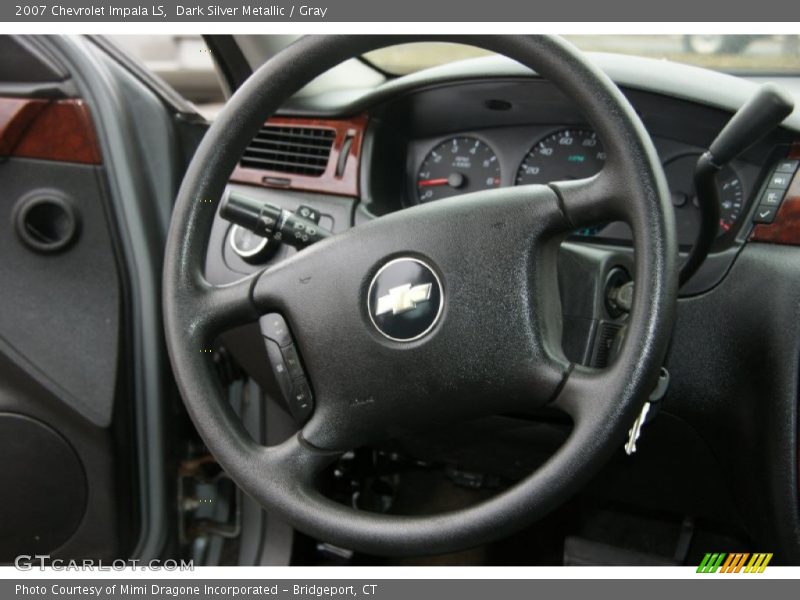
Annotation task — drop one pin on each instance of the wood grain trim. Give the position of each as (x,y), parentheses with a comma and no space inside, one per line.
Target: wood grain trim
(344,185)
(785,229)
(58,130)
(16,115)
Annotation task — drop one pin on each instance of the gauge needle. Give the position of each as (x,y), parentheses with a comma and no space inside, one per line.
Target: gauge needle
(456,180)
(432,182)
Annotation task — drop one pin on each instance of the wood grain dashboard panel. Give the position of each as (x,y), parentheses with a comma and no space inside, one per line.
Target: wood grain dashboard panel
(58,130)
(785,229)
(345,183)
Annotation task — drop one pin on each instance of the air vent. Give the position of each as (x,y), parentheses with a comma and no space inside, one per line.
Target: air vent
(295,150)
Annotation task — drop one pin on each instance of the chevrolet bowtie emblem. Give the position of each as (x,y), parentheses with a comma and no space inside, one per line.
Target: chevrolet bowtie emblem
(388,297)
(403,299)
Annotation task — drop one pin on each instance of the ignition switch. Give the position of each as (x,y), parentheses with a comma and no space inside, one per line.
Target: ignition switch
(618,292)
(251,247)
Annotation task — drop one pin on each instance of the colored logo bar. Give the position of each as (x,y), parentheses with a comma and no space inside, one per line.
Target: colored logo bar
(736,562)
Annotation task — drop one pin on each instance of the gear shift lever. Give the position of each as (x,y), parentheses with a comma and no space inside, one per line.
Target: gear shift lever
(762,113)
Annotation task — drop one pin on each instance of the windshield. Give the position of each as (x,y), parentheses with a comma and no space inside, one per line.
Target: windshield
(741,54)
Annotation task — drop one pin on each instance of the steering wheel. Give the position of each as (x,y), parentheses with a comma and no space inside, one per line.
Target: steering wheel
(484,266)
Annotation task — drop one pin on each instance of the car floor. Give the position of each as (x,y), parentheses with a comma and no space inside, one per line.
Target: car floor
(586,530)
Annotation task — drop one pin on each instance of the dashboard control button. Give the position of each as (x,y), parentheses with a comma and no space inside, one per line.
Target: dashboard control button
(274,327)
(679,199)
(780,181)
(772,197)
(308,213)
(765,214)
(787,166)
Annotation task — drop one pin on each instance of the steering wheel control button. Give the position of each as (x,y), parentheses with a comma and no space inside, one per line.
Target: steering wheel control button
(405,299)
(301,402)
(287,367)
(274,327)
(765,214)
(292,361)
(279,368)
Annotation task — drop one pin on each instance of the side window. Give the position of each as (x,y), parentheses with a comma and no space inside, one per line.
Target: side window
(183,61)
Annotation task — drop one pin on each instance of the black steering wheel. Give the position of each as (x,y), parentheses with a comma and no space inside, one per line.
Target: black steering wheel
(487,264)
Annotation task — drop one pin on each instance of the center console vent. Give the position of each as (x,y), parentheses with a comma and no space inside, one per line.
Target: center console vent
(287,149)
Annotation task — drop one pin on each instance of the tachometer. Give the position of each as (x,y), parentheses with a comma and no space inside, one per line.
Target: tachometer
(457,166)
(565,154)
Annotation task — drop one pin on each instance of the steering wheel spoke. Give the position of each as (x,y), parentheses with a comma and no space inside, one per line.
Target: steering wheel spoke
(217,308)
(579,397)
(590,201)
(221,307)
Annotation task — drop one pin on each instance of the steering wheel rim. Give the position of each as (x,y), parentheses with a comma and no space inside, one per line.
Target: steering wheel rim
(602,404)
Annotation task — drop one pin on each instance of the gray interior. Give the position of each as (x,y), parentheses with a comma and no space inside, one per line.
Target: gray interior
(84,364)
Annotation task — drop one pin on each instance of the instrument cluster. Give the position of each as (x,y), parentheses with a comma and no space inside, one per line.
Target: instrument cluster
(442,168)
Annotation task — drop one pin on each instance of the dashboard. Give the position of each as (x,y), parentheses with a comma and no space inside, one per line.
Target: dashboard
(471,135)
(422,138)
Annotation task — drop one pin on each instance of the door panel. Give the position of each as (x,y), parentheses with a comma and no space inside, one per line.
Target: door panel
(65,419)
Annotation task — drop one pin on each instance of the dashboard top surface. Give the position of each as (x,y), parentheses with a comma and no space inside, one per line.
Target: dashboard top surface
(679,81)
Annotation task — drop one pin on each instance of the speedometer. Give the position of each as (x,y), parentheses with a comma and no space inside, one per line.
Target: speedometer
(457,166)
(565,154)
